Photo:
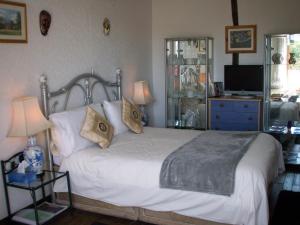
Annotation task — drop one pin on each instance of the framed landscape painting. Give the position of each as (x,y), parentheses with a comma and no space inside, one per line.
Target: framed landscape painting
(13,22)
(240,39)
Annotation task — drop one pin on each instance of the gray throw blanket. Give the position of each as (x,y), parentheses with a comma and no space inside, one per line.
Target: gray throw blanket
(207,163)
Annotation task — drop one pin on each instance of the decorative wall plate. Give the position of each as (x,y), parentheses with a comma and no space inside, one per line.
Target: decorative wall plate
(106,26)
(277,58)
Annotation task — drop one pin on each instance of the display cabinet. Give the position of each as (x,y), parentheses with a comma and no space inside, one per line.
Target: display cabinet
(282,81)
(189,77)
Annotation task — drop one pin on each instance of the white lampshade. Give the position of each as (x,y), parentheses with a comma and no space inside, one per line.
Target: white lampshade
(142,95)
(27,119)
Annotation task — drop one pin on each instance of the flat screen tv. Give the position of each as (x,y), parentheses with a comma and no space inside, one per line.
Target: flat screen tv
(244,79)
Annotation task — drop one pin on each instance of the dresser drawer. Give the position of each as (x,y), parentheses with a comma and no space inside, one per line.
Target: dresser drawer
(234,117)
(245,106)
(245,117)
(222,116)
(234,126)
(221,105)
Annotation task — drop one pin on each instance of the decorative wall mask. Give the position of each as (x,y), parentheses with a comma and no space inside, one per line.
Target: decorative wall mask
(106,26)
(45,22)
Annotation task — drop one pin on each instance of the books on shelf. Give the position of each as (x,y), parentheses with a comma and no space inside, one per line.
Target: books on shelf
(46,211)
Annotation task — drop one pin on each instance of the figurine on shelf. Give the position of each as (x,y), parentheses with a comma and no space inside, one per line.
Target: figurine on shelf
(189,118)
(292,59)
(188,80)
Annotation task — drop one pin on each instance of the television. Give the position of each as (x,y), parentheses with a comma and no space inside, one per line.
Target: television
(244,79)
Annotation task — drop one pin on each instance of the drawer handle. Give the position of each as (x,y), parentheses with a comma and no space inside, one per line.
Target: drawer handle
(250,118)
(246,106)
(221,105)
(217,117)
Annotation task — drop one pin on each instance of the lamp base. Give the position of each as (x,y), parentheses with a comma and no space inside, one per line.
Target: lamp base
(145,117)
(33,155)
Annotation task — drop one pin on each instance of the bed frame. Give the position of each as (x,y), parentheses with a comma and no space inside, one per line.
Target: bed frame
(86,83)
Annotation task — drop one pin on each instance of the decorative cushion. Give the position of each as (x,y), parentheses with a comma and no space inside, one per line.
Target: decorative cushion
(66,128)
(113,112)
(96,128)
(131,116)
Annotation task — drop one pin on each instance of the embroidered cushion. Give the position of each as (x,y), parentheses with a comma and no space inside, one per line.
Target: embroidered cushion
(131,116)
(97,129)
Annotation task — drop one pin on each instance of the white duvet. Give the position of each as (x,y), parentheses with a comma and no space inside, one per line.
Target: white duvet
(127,174)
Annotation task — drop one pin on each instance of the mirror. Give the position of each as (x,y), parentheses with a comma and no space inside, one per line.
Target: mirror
(282,81)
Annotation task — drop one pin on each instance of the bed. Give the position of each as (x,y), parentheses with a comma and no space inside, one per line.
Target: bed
(284,111)
(124,180)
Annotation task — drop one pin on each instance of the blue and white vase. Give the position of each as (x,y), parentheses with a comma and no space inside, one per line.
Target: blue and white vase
(33,155)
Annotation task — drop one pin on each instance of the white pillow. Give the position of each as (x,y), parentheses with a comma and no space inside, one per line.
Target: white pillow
(113,112)
(66,130)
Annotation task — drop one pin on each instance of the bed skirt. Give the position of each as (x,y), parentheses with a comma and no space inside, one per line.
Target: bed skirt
(132,213)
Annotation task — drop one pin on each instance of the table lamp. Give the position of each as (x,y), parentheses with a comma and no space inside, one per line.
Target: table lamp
(142,96)
(27,121)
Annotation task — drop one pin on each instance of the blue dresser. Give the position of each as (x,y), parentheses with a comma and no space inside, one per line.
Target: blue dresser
(227,113)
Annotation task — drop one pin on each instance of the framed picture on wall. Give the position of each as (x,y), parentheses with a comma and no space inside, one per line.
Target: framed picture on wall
(13,22)
(240,39)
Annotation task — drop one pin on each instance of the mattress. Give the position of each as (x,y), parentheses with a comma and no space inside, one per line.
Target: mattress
(127,174)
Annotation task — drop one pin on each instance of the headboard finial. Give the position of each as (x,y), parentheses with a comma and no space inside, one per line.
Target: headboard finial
(43,78)
(44,92)
(118,71)
(119,83)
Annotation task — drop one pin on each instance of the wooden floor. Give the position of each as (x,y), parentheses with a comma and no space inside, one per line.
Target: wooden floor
(288,181)
(79,217)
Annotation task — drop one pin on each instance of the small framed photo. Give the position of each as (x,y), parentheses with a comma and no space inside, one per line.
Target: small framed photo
(13,22)
(218,89)
(240,39)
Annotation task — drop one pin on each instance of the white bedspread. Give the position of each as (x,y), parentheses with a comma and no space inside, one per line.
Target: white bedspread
(127,174)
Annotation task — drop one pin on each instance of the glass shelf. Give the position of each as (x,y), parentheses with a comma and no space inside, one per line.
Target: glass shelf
(283,64)
(43,179)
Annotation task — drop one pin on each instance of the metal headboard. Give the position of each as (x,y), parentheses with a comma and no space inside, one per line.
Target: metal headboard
(86,82)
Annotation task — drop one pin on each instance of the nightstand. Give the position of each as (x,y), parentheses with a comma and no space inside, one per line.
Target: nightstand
(40,211)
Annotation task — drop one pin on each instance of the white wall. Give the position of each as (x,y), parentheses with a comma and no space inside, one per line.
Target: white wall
(193,18)
(74,45)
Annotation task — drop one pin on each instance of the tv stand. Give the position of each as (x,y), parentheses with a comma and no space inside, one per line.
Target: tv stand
(243,96)
(240,113)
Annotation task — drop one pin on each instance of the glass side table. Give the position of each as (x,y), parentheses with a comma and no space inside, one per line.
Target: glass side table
(39,207)
(290,140)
